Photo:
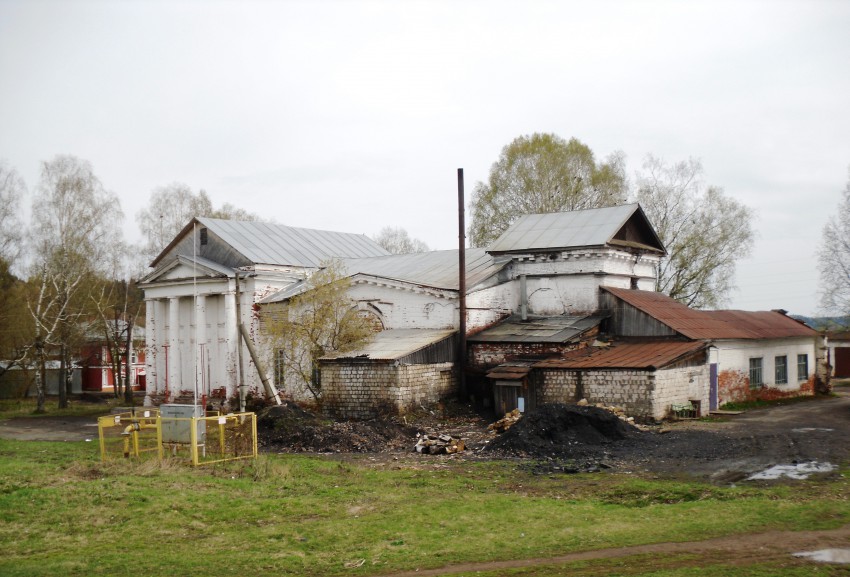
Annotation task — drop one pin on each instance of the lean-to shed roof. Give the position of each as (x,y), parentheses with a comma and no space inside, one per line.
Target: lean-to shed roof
(626,355)
(625,225)
(555,329)
(725,324)
(398,344)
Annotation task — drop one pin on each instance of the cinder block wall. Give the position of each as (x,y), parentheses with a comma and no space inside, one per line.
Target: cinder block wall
(364,390)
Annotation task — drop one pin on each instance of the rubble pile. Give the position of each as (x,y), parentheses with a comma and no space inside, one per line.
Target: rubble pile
(562,431)
(438,444)
(505,422)
(619,411)
(290,429)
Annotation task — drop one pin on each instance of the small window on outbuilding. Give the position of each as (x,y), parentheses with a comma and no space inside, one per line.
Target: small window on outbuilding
(781,366)
(802,367)
(203,236)
(756,379)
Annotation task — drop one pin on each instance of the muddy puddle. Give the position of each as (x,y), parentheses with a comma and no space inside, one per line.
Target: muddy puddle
(792,471)
(827,555)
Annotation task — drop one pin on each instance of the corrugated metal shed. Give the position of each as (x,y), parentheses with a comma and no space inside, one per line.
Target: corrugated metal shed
(558,329)
(644,355)
(403,345)
(581,228)
(697,324)
(276,244)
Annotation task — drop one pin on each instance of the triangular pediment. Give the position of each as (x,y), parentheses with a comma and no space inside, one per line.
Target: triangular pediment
(182,268)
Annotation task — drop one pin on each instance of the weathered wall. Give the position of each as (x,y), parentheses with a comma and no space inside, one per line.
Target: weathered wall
(733,370)
(362,390)
(644,394)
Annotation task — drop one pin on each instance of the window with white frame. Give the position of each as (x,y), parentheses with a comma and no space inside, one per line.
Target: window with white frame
(756,379)
(781,369)
(802,367)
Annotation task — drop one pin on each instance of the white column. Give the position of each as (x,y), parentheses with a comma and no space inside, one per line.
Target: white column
(151,372)
(231,338)
(201,352)
(173,383)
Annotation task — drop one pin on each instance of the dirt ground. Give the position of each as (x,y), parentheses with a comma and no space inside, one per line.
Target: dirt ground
(722,449)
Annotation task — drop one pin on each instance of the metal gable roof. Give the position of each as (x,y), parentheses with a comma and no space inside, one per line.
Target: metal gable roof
(642,355)
(266,243)
(580,228)
(435,269)
(699,324)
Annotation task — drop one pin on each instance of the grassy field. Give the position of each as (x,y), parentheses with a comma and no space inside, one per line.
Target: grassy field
(62,512)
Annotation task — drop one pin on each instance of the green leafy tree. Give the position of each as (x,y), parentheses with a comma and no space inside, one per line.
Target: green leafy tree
(320,320)
(543,173)
(834,259)
(705,231)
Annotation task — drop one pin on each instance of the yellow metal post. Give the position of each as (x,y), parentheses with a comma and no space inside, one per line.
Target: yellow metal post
(193,439)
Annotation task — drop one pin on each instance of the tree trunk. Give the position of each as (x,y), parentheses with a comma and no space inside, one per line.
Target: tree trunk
(63,391)
(128,369)
(40,376)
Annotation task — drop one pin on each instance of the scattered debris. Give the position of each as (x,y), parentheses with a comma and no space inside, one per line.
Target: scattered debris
(438,445)
(505,422)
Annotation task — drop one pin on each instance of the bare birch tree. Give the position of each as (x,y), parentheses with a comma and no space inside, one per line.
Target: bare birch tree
(705,231)
(171,207)
(398,241)
(834,259)
(74,229)
(12,190)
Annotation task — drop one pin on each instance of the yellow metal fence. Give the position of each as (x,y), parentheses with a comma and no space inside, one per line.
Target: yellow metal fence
(213,438)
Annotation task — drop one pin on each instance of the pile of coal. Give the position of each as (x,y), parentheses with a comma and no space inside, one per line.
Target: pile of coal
(560,430)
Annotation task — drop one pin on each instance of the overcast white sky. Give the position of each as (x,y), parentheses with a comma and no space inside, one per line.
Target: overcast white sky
(355,115)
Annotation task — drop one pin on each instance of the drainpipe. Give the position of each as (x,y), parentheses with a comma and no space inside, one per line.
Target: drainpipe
(243,390)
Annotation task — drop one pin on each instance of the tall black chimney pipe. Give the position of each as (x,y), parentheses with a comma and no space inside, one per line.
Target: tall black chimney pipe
(461,354)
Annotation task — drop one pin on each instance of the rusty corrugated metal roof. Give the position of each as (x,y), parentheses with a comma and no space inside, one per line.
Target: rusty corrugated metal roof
(643,355)
(510,371)
(724,324)
(556,329)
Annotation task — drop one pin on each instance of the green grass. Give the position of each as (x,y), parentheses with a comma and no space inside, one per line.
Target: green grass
(760,404)
(62,512)
(10,408)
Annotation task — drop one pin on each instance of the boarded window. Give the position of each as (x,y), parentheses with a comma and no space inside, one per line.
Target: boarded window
(781,373)
(279,368)
(756,379)
(802,367)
